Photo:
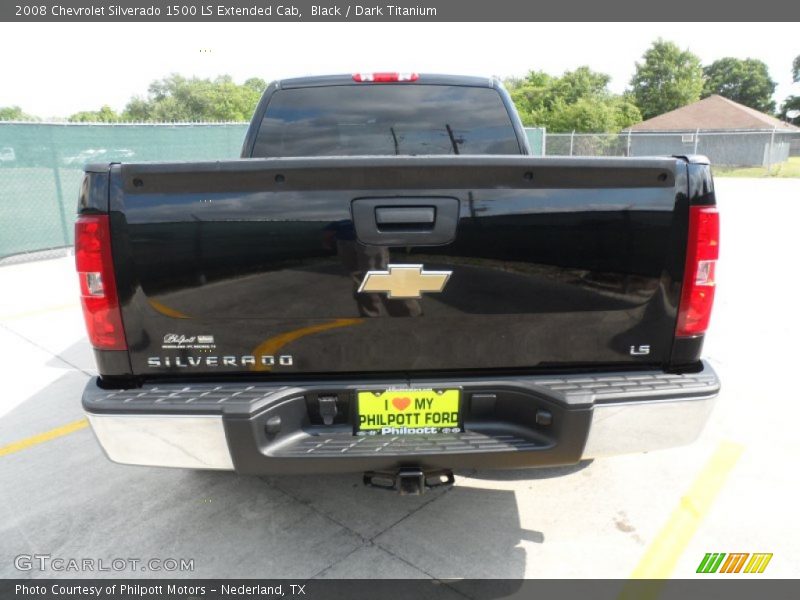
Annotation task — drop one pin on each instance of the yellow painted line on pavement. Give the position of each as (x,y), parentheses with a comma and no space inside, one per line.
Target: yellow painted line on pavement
(662,555)
(37,311)
(44,437)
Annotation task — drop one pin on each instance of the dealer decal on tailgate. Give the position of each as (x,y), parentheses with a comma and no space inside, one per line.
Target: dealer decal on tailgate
(404,412)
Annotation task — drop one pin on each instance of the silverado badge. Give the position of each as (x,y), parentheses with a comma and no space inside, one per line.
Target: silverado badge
(404,281)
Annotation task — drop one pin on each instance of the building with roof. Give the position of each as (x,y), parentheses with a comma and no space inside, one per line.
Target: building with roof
(727,132)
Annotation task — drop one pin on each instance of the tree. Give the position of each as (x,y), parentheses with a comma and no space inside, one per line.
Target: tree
(14,113)
(579,100)
(667,79)
(744,81)
(177,98)
(580,84)
(105,115)
(791,103)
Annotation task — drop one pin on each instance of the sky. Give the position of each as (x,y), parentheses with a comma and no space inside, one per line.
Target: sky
(57,69)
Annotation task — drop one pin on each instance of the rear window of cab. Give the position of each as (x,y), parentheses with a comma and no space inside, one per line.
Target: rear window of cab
(385,119)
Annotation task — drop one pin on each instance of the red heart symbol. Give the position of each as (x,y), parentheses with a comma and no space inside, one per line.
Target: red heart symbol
(401,403)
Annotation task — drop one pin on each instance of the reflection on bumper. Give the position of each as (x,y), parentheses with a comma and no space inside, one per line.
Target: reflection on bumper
(195,442)
(629,427)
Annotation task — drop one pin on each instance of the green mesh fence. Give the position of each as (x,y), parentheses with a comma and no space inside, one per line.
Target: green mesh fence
(41,167)
(536,138)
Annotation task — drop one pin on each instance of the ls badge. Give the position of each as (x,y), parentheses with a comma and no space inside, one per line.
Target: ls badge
(404,281)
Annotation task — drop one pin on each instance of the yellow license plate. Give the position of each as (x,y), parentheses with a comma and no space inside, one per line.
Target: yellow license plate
(408,412)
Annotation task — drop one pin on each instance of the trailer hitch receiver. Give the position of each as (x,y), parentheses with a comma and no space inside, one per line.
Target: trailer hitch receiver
(409,481)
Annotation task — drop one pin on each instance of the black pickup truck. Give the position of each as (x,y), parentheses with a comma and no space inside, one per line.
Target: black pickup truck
(387,282)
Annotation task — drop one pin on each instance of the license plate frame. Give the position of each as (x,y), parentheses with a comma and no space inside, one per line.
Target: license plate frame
(391,411)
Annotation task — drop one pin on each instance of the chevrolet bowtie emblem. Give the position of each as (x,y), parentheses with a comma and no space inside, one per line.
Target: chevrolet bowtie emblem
(404,281)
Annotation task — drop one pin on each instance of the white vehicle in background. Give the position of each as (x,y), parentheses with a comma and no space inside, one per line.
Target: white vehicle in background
(98,154)
(7,155)
(85,156)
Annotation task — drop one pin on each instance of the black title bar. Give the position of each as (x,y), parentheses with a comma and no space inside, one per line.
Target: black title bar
(397,10)
(732,588)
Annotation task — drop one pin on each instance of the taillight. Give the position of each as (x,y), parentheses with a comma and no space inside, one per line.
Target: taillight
(98,287)
(702,252)
(384,77)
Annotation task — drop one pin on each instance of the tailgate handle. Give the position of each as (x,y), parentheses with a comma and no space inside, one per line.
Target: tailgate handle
(411,215)
(406,221)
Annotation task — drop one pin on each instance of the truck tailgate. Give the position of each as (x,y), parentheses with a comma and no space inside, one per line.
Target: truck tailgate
(256,265)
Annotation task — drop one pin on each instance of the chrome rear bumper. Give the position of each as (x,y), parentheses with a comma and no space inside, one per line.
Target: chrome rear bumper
(631,427)
(195,442)
(219,427)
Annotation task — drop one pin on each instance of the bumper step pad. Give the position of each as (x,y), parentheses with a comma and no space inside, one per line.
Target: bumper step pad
(407,445)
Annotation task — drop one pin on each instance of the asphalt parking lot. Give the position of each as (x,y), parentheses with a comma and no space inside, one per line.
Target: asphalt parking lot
(734,490)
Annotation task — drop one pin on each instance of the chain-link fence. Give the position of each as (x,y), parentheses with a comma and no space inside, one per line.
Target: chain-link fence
(794,146)
(41,167)
(747,148)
